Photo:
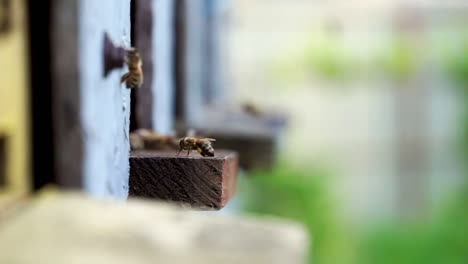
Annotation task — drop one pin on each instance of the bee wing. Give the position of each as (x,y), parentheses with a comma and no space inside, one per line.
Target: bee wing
(210,139)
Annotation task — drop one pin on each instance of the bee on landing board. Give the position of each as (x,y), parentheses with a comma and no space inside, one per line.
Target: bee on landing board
(136,142)
(134,77)
(202,145)
(146,139)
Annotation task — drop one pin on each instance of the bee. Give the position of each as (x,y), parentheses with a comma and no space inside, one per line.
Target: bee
(136,142)
(252,109)
(148,139)
(134,77)
(202,145)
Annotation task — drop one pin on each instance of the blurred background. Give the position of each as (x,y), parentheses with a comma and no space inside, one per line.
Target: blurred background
(373,160)
(349,118)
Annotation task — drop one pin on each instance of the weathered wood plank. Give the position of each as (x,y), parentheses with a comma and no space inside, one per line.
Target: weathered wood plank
(206,183)
(14,122)
(163,69)
(66,93)
(142,39)
(180,40)
(189,59)
(41,95)
(91,109)
(217,86)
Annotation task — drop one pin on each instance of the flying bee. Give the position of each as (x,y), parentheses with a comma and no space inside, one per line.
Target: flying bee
(202,145)
(134,77)
(252,109)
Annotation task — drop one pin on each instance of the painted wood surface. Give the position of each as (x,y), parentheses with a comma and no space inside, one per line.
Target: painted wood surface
(142,39)
(92,110)
(163,70)
(14,124)
(189,58)
(216,19)
(105,106)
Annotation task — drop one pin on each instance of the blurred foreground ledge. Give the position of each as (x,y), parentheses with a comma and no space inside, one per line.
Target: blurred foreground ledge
(71,228)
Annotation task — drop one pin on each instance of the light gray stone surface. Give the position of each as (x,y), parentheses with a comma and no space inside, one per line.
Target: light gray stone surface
(69,228)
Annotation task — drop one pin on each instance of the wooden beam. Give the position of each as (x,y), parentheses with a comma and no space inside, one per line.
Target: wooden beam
(163,66)
(91,109)
(67,102)
(205,183)
(189,59)
(41,93)
(142,28)
(180,40)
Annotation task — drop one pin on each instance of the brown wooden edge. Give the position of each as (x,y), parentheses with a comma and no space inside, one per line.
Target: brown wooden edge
(203,183)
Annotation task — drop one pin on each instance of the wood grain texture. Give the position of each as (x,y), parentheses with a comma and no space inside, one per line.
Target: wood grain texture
(205,183)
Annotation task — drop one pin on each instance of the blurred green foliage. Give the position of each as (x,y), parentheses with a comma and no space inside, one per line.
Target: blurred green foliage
(443,239)
(304,196)
(399,60)
(324,56)
(456,63)
(327,58)
(330,60)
